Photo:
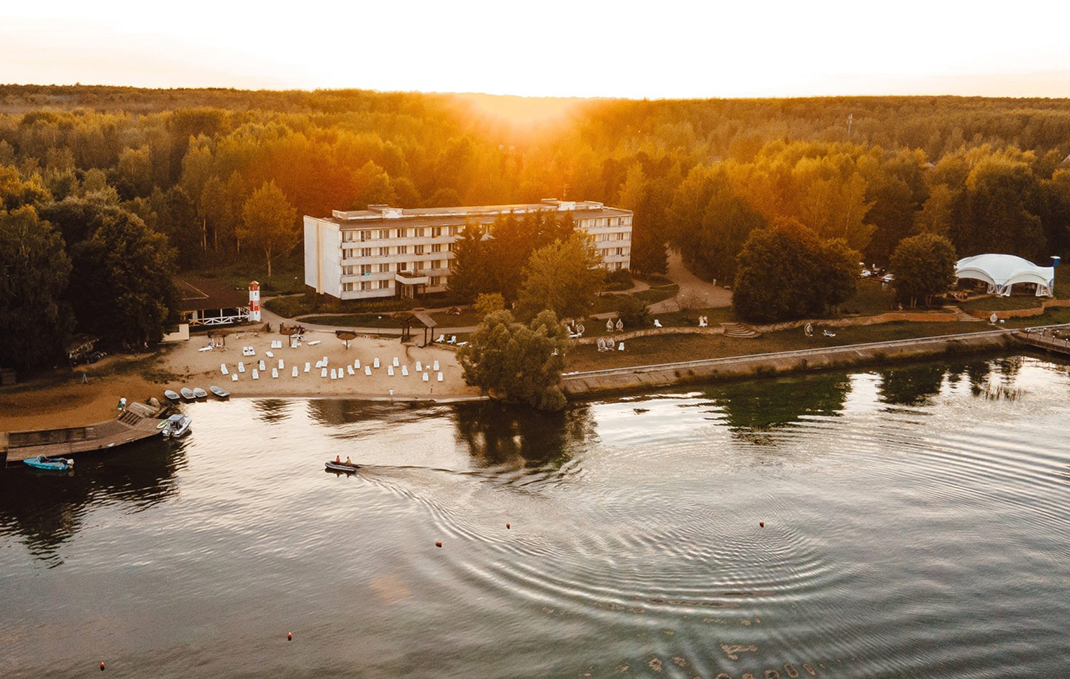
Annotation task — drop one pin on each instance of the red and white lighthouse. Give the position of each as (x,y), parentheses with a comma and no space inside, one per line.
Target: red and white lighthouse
(254,302)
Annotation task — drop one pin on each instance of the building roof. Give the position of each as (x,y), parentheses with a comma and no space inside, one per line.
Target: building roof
(431,216)
(206,293)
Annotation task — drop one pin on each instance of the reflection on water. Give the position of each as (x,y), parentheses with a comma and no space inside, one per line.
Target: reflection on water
(874,524)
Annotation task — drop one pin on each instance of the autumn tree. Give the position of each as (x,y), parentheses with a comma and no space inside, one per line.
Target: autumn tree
(268,222)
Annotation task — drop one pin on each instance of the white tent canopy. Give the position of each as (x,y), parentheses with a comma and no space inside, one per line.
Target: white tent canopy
(1003,271)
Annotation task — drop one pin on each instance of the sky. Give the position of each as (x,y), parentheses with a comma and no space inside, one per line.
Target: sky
(652,49)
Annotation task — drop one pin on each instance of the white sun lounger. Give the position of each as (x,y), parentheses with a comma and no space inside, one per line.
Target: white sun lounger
(427,377)
(375,364)
(419,366)
(274,373)
(435,366)
(440,377)
(234,377)
(294,372)
(262,366)
(256,374)
(349,369)
(241,367)
(356,364)
(223,368)
(270,354)
(396,362)
(367,371)
(323,372)
(282,364)
(325,361)
(390,370)
(205,349)
(314,343)
(404,371)
(308,366)
(334,374)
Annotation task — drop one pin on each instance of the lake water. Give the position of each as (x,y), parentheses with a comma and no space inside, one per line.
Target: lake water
(917,524)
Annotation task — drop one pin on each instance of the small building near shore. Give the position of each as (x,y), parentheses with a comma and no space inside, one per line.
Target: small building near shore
(208,302)
(1001,272)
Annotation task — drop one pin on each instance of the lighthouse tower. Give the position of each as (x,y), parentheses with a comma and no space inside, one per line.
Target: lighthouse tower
(254,302)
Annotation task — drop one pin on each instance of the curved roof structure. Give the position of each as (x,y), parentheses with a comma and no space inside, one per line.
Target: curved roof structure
(1003,271)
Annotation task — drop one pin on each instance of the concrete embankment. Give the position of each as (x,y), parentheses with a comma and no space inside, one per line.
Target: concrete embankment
(578,385)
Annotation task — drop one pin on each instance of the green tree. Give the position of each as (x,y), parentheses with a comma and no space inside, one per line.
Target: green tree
(518,363)
(564,277)
(786,272)
(124,292)
(488,303)
(632,311)
(268,222)
(924,266)
(35,322)
(469,277)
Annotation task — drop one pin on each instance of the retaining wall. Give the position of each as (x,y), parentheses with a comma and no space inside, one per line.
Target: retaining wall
(656,376)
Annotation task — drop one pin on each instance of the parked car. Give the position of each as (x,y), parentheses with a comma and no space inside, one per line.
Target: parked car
(866,273)
(888,278)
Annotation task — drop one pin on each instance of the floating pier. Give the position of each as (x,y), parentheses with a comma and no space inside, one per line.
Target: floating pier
(137,422)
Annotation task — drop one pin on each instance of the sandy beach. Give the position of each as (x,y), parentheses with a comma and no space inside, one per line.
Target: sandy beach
(64,400)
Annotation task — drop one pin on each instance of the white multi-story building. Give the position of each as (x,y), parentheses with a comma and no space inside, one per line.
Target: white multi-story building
(394,252)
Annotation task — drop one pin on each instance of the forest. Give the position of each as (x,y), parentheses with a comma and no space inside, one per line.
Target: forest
(189,179)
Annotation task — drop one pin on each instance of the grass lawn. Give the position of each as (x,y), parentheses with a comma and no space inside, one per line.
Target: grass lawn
(310,303)
(994,303)
(287,276)
(869,299)
(672,348)
(467,317)
(384,320)
(610,303)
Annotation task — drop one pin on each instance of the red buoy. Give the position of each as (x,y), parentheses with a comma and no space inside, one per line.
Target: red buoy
(438,544)
(289,636)
(762,524)
(507,526)
(101,665)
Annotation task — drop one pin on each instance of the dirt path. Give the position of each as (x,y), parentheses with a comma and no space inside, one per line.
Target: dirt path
(703,294)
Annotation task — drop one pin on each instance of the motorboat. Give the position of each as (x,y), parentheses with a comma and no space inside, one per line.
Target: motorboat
(219,391)
(177,425)
(200,393)
(52,464)
(171,395)
(342,467)
(188,394)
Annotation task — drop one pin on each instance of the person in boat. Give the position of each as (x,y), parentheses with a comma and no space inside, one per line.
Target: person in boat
(348,461)
(338,459)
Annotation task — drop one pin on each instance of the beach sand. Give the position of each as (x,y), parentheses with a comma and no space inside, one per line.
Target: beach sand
(62,400)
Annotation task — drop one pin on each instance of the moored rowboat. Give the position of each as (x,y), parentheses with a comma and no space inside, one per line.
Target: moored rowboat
(200,393)
(171,395)
(52,464)
(187,394)
(219,391)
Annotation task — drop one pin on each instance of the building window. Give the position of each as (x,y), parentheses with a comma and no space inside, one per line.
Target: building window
(436,280)
(403,249)
(348,287)
(383,268)
(436,247)
(365,252)
(418,249)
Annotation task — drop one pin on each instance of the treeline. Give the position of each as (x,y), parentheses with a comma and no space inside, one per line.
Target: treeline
(226,174)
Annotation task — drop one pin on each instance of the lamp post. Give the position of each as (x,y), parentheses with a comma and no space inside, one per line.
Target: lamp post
(378,326)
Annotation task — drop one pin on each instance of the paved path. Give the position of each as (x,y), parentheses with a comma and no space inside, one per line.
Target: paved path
(700,293)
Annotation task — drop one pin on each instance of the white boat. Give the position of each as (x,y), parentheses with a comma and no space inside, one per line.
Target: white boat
(333,466)
(219,391)
(187,393)
(200,393)
(171,395)
(177,425)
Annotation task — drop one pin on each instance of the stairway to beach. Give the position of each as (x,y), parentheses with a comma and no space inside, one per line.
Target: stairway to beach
(740,331)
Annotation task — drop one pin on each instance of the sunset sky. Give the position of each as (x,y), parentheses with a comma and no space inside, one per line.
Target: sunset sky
(626,49)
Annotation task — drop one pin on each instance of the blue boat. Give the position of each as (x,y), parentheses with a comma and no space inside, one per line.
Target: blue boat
(52,464)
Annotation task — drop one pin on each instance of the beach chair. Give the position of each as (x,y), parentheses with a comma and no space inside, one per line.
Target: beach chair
(404,371)
(308,366)
(223,368)
(396,362)
(274,373)
(294,372)
(314,343)
(262,366)
(620,347)
(241,367)
(256,374)
(367,371)
(440,377)
(419,366)
(375,364)
(435,366)
(657,323)
(356,363)
(440,338)
(282,364)
(323,372)
(334,374)
(269,354)
(234,377)
(427,377)
(453,339)
(349,369)
(390,370)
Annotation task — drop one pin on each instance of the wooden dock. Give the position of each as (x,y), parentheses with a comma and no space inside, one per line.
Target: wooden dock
(1053,339)
(136,423)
